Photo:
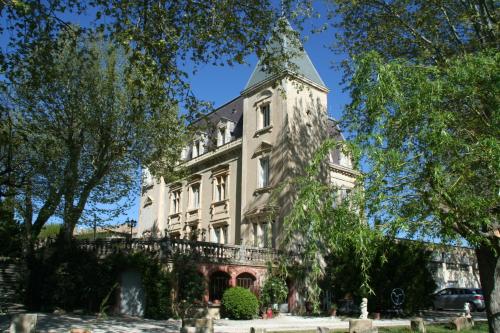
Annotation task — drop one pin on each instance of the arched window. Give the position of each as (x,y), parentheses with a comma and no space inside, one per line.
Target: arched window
(246,280)
(219,282)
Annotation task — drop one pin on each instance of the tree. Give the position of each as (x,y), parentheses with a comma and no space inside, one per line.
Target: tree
(424,114)
(430,135)
(89,128)
(158,39)
(322,222)
(189,285)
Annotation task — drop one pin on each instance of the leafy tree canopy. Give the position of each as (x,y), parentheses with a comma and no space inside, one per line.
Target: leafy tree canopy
(423,77)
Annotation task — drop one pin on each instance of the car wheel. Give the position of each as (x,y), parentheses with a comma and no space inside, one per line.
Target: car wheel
(472,307)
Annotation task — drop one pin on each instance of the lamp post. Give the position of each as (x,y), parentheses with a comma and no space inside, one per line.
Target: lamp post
(131,223)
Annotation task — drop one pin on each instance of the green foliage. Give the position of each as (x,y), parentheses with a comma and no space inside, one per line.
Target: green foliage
(70,279)
(397,264)
(421,31)
(10,238)
(104,306)
(479,327)
(424,114)
(188,282)
(431,137)
(239,303)
(50,231)
(320,223)
(75,279)
(156,281)
(273,291)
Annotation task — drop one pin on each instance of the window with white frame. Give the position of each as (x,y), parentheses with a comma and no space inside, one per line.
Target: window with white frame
(195,196)
(195,151)
(176,201)
(221,136)
(263,234)
(265,116)
(264,171)
(220,234)
(220,183)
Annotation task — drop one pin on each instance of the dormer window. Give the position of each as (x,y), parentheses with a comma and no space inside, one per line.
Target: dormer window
(221,136)
(224,130)
(265,116)
(195,151)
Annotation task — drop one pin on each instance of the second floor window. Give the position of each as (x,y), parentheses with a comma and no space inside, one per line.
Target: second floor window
(220,235)
(265,116)
(264,172)
(195,196)
(176,201)
(220,187)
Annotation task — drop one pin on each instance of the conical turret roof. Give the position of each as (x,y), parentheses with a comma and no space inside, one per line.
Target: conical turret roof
(299,63)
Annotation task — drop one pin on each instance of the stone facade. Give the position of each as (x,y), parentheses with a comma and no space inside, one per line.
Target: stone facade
(455,267)
(243,151)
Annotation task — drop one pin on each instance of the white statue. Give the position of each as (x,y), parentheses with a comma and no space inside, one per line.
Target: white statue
(467,310)
(364,309)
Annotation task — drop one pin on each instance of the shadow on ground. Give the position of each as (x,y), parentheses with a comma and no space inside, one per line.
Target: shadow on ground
(59,324)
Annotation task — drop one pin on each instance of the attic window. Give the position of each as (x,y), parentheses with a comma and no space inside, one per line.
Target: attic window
(148,201)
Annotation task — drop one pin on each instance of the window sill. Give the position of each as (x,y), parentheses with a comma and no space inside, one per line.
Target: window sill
(193,210)
(174,215)
(265,189)
(264,130)
(219,203)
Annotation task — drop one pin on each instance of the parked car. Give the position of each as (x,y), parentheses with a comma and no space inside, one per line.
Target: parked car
(455,298)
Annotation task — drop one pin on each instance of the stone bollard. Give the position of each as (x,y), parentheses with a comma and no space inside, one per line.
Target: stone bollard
(23,323)
(257,330)
(462,323)
(361,326)
(417,325)
(200,325)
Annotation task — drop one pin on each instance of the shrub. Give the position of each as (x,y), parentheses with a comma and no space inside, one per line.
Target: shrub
(239,303)
(274,291)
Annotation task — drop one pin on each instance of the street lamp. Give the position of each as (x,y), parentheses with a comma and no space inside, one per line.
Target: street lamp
(131,223)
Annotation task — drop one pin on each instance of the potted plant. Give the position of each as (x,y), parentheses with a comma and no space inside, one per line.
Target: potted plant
(272,294)
(333,309)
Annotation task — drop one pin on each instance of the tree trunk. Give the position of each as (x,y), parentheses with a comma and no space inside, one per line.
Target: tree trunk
(488,258)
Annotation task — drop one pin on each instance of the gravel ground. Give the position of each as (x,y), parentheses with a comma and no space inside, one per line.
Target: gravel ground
(63,323)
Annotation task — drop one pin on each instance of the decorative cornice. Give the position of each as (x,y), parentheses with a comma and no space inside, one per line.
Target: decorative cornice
(344,170)
(232,145)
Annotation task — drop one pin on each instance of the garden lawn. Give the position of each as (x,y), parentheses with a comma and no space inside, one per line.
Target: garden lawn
(481,327)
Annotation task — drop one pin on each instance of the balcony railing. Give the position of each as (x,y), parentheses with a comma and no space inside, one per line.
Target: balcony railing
(167,248)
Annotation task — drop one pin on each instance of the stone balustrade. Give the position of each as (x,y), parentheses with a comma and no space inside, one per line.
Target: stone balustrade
(166,248)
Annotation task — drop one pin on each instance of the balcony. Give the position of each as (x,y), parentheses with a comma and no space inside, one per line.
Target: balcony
(167,248)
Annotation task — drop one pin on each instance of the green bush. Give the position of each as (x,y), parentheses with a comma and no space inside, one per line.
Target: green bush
(239,303)
(274,291)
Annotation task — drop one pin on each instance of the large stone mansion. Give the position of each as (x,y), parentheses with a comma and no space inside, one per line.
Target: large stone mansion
(243,152)
(251,144)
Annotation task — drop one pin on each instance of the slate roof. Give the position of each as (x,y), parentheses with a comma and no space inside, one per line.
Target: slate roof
(302,64)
